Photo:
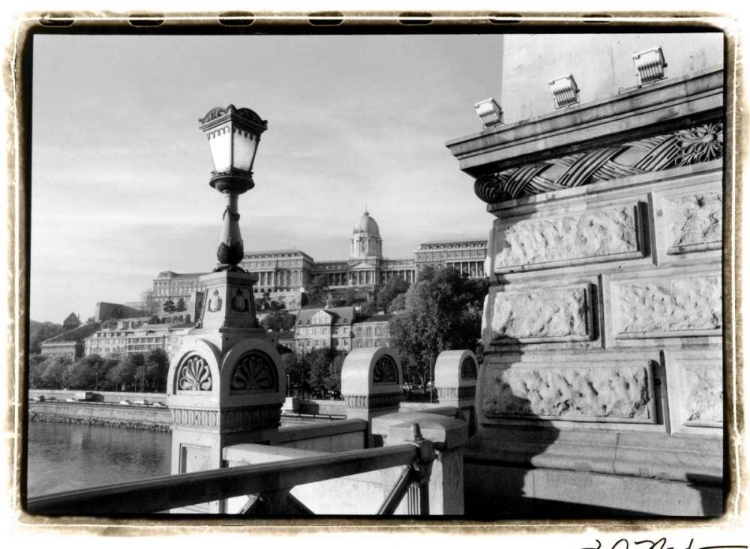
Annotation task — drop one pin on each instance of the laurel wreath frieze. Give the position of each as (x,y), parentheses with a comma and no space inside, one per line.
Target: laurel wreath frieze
(695,145)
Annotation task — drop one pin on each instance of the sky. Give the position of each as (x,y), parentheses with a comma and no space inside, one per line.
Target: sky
(120,168)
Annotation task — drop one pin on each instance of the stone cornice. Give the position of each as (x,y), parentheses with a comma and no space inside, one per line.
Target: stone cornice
(663,107)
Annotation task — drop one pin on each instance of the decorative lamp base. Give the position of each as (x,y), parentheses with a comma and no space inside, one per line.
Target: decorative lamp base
(230,255)
(232,183)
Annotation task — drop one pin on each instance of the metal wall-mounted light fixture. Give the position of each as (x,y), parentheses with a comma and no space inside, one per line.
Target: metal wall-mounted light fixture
(490,112)
(650,66)
(564,91)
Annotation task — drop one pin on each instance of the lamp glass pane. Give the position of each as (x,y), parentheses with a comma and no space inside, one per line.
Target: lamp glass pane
(220,141)
(245,145)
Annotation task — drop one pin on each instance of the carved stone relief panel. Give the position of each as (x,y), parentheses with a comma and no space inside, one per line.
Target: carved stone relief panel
(695,222)
(703,394)
(667,307)
(606,234)
(587,391)
(542,315)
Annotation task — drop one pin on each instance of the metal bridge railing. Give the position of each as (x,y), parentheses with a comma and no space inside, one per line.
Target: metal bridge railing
(268,484)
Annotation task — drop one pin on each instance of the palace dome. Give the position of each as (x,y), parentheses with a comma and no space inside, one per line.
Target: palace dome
(366,224)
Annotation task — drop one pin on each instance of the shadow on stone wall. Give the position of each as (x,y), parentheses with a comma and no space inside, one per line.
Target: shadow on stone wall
(712,491)
(498,464)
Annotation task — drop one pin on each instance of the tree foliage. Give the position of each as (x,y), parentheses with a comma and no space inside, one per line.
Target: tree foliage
(398,304)
(315,373)
(278,321)
(442,311)
(180,306)
(40,332)
(317,292)
(368,308)
(56,372)
(169,306)
(389,291)
(37,369)
(150,304)
(157,368)
(93,372)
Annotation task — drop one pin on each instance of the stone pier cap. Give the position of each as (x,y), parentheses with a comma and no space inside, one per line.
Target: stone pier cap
(371,371)
(445,432)
(457,371)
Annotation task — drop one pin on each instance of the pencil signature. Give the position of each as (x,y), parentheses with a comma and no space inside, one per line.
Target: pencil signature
(661,543)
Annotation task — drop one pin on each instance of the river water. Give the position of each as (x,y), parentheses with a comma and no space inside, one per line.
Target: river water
(63,456)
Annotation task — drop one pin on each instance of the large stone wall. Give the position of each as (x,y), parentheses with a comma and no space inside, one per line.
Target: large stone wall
(604,317)
(642,276)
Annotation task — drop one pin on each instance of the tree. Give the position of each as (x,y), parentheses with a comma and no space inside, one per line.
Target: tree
(398,304)
(333,379)
(296,369)
(37,368)
(83,373)
(138,362)
(149,303)
(40,332)
(368,308)
(320,361)
(443,311)
(157,368)
(278,321)
(180,307)
(389,291)
(169,306)
(351,297)
(103,382)
(317,293)
(56,373)
(128,372)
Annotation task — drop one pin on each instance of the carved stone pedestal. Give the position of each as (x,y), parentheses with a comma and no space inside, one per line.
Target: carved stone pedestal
(225,384)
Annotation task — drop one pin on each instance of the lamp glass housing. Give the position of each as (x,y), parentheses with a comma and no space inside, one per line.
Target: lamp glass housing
(233,136)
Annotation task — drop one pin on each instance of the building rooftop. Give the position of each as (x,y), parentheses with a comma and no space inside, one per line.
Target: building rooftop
(340,315)
(76,334)
(455,240)
(249,255)
(375,318)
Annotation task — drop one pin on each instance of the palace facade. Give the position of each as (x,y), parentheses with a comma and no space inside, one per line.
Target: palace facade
(286,273)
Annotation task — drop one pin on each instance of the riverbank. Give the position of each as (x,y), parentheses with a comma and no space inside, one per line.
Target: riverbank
(104,415)
(48,418)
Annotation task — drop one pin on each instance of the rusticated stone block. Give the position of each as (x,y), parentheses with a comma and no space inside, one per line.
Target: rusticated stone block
(591,235)
(694,222)
(656,308)
(560,314)
(703,393)
(619,392)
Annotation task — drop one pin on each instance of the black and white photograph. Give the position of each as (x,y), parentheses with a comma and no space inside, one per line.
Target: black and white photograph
(480,274)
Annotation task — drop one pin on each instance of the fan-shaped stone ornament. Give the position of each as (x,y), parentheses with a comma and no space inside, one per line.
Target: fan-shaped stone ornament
(194,374)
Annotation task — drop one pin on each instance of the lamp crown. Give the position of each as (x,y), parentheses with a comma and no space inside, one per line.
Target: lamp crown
(241,115)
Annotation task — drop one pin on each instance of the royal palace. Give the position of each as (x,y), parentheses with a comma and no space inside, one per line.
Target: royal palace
(286,273)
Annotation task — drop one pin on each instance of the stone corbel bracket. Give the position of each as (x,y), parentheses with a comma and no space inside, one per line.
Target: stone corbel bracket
(671,124)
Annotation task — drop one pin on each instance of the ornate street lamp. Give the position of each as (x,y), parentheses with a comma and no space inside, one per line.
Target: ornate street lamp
(233,135)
